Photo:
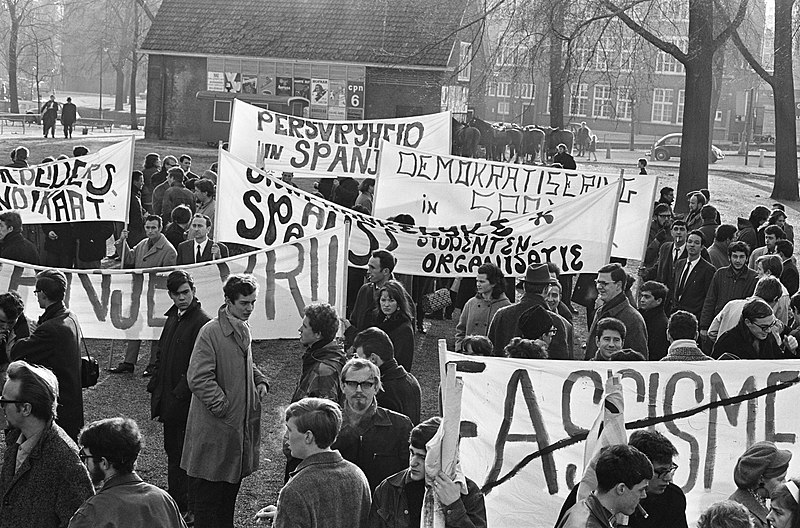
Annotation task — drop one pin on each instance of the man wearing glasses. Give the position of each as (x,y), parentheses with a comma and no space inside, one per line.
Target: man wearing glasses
(42,481)
(753,337)
(373,438)
(109,449)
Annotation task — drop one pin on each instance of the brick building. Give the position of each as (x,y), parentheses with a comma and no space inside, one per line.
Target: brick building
(326,59)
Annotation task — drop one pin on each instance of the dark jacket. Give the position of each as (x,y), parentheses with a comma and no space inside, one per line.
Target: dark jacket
(587,513)
(136,217)
(69,113)
(505,326)
(56,344)
(747,233)
(401,332)
(170,394)
(727,284)
(636,331)
(401,391)
(175,234)
(363,315)
(346,192)
(655,320)
(709,230)
(693,293)
(322,364)
(126,501)
(739,342)
(758,513)
(565,159)
(665,510)
(16,247)
(50,485)
(378,444)
(186,252)
(92,237)
(790,277)
(390,506)
(64,244)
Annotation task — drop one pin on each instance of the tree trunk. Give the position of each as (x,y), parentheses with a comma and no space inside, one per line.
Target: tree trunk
(13,40)
(695,143)
(119,96)
(134,67)
(718,69)
(783,91)
(557,67)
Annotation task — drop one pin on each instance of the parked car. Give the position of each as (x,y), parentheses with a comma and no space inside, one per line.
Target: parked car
(669,146)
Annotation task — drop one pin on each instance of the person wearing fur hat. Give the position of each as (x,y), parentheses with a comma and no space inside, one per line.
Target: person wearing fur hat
(505,323)
(758,472)
(536,325)
(397,501)
(56,344)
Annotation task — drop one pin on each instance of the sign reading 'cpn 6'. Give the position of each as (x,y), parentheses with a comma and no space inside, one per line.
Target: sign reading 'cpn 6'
(355,94)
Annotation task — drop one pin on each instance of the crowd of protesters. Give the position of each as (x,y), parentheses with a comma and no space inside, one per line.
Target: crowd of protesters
(356,437)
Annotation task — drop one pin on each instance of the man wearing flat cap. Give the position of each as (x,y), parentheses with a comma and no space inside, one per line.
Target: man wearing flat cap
(505,323)
(758,472)
(55,344)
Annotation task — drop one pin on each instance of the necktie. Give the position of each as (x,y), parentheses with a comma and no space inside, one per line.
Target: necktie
(199,256)
(685,274)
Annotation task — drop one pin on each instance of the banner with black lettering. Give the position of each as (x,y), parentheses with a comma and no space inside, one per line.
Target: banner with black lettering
(438,189)
(85,189)
(529,418)
(263,211)
(130,304)
(314,148)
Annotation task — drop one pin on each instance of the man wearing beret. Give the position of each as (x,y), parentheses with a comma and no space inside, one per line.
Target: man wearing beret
(758,472)
(56,344)
(505,323)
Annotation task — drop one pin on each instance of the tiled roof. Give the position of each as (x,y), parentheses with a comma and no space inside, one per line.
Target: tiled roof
(390,32)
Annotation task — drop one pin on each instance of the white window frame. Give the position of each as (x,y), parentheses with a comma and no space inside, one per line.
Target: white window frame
(602,101)
(662,103)
(624,108)
(492,89)
(465,63)
(503,89)
(681,105)
(503,108)
(579,99)
(527,91)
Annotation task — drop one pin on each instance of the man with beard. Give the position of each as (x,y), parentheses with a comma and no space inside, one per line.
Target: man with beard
(694,220)
(735,281)
(659,233)
(109,448)
(373,438)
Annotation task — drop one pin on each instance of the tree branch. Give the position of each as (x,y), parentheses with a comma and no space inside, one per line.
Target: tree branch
(143,5)
(637,28)
(732,26)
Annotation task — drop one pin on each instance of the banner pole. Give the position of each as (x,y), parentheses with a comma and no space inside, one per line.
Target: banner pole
(345,272)
(215,233)
(127,207)
(639,279)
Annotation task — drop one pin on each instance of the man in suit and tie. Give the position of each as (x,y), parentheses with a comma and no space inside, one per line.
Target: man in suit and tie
(668,255)
(692,278)
(200,248)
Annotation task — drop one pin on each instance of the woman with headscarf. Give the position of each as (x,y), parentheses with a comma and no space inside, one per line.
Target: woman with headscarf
(758,473)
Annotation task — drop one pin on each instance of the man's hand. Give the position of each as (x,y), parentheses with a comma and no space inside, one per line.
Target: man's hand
(267,514)
(704,333)
(52,235)
(790,342)
(123,235)
(262,391)
(447,490)
(347,324)
(215,253)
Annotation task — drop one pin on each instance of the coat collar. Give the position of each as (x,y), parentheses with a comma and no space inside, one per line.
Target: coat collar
(120,480)
(325,457)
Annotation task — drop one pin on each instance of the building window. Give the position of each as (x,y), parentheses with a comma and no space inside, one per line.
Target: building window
(492,89)
(579,100)
(624,103)
(509,55)
(465,64)
(626,55)
(602,105)
(662,105)
(681,102)
(503,108)
(603,54)
(504,89)
(222,111)
(527,91)
(583,57)
(666,63)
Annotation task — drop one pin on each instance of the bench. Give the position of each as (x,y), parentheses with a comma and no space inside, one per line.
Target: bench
(92,123)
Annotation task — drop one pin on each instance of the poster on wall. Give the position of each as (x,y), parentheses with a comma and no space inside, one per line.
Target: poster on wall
(284,86)
(215,82)
(336,95)
(302,87)
(233,82)
(266,84)
(250,84)
(319,92)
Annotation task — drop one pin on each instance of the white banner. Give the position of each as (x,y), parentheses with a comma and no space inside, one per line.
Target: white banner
(130,304)
(262,211)
(90,188)
(518,407)
(440,190)
(328,149)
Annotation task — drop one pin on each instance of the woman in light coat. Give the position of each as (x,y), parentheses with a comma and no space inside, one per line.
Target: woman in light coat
(478,311)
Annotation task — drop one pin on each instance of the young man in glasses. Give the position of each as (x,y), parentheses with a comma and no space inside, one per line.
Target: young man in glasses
(373,438)
(42,481)
(109,449)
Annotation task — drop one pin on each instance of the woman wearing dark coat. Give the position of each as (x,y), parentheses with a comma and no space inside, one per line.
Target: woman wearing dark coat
(393,316)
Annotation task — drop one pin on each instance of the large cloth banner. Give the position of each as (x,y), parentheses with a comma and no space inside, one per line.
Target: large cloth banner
(90,188)
(527,418)
(328,149)
(263,211)
(130,304)
(438,189)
